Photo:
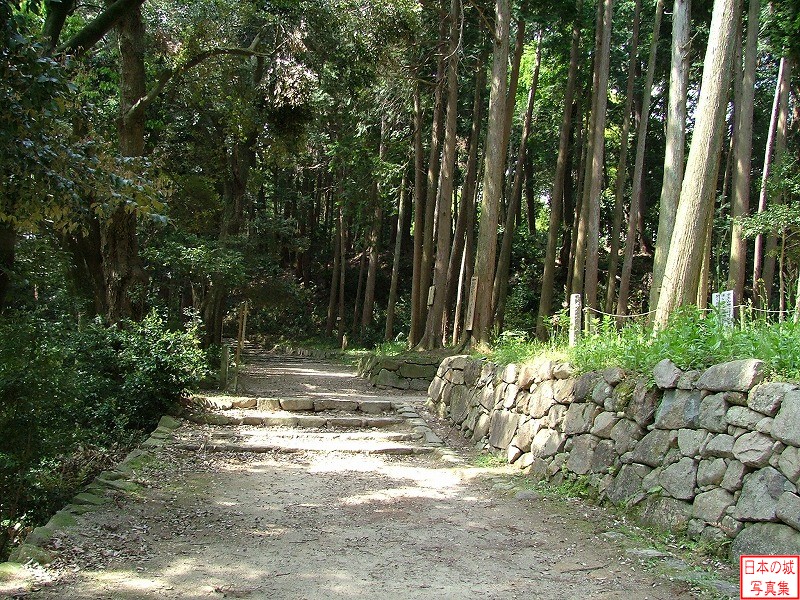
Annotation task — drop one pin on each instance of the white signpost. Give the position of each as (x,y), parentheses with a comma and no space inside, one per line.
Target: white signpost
(724,302)
(575,310)
(473,291)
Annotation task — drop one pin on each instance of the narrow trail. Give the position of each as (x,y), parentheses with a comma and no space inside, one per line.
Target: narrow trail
(351,499)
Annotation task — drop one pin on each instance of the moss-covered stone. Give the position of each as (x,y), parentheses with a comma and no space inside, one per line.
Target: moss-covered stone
(623,393)
(62,519)
(10,571)
(88,498)
(168,422)
(122,485)
(28,552)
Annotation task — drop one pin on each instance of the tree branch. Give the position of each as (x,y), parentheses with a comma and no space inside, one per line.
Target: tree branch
(94,31)
(170,74)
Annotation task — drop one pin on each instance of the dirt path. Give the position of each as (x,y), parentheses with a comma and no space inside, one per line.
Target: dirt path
(335,522)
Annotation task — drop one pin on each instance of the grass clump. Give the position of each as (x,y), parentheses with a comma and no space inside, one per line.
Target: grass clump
(693,339)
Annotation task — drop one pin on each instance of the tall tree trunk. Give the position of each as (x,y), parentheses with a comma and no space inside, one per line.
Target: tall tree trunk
(433,326)
(675,149)
(682,270)
(622,165)
(513,80)
(402,208)
(122,269)
(337,257)
(374,238)
(638,169)
(342,275)
(577,253)
(434,166)
(8,242)
(504,261)
(742,153)
(466,208)
(494,163)
(417,324)
(776,146)
(362,273)
(594,165)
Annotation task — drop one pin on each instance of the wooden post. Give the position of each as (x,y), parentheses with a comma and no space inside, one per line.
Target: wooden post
(473,290)
(575,312)
(225,359)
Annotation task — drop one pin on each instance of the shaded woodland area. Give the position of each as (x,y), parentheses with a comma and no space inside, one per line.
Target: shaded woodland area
(363,169)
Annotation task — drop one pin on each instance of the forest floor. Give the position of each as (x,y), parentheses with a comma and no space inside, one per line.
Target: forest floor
(337,513)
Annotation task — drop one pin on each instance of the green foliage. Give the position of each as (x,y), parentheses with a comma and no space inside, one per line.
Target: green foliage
(692,339)
(70,399)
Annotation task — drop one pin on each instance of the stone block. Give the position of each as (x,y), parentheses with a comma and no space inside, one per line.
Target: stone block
(741,416)
(678,480)
(736,376)
(765,426)
(487,397)
(603,424)
(454,376)
(502,427)
(563,371)
(688,380)
(713,410)
(765,538)
(585,384)
(580,417)
(627,485)
(692,441)
(268,404)
(580,457)
(642,406)
(625,435)
(459,405)
(526,377)
(753,449)
(481,429)
(666,374)
(720,445)
(510,396)
(541,400)
(602,391)
(510,373)
(789,463)
(386,378)
(612,375)
(554,417)
(547,442)
(711,506)
(604,457)
(525,434)
(513,453)
(414,371)
(563,389)
(662,512)
(678,409)
(734,476)
(472,372)
(786,426)
(767,397)
(788,509)
(760,493)
(711,472)
(651,448)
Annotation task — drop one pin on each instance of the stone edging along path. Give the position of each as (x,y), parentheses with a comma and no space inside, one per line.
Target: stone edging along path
(713,454)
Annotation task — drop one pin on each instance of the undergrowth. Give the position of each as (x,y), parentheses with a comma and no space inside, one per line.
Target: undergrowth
(692,339)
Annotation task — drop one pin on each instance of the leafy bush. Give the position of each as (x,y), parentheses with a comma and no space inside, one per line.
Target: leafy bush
(70,400)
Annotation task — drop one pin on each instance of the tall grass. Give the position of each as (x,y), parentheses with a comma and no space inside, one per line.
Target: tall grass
(693,339)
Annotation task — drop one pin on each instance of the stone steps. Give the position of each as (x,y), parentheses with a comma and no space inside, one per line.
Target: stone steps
(223,403)
(287,419)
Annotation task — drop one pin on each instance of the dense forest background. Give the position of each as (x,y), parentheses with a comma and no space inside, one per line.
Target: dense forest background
(365,171)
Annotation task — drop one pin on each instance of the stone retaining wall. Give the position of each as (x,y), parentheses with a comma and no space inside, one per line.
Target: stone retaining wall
(714,454)
(414,372)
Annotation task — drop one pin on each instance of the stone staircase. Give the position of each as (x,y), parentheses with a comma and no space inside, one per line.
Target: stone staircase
(373,425)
